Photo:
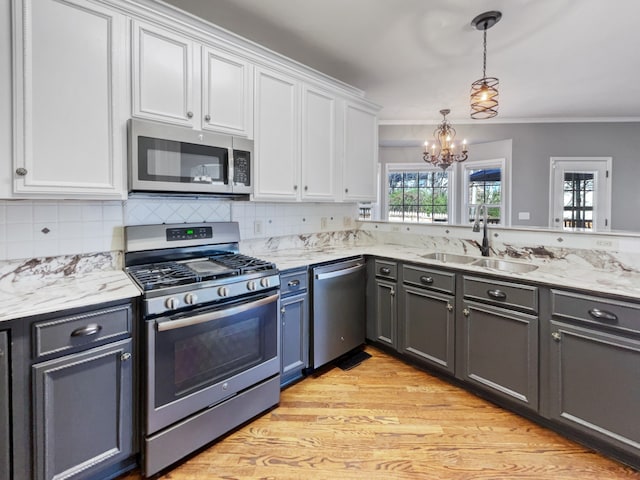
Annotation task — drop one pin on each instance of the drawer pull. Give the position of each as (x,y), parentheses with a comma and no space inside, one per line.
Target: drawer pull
(90,329)
(385,270)
(426,280)
(293,283)
(603,315)
(497,294)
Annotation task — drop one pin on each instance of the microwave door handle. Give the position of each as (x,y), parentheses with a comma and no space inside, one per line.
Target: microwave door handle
(230,162)
(188,321)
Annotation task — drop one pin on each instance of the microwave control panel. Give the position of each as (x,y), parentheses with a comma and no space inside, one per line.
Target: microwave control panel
(241,167)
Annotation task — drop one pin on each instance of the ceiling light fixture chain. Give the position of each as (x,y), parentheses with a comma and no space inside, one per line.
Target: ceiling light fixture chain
(484,92)
(443,149)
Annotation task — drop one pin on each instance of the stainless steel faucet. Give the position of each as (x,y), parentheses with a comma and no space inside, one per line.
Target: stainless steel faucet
(484,249)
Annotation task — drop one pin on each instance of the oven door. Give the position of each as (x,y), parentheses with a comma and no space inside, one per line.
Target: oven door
(199,358)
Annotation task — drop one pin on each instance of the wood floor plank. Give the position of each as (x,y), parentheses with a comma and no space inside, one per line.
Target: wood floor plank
(385,420)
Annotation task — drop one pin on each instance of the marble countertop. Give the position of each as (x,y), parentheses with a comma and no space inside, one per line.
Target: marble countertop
(39,292)
(562,273)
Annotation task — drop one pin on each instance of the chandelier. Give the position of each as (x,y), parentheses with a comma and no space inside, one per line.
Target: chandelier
(484,92)
(443,150)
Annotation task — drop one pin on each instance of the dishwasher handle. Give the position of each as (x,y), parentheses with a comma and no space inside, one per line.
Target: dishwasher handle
(339,273)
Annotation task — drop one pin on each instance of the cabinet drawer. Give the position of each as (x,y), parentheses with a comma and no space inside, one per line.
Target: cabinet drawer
(596,311)
(293,282)
(512,295)
(427,278)
(386,269)
(65,333)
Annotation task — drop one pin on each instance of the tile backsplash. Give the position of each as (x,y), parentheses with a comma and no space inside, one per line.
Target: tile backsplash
(45,228)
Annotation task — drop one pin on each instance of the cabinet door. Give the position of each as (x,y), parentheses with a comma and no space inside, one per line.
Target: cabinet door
(227,93)
(428,329)
(70,94)
(385,313)
(318,145)
(82,411)
(295,337)
(595,384)
(5,426)
(500,351)
(163,76)
(277,145)
(360,160)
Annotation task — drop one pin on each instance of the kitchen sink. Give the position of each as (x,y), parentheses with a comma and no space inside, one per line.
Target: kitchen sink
(449,257)
(504,265)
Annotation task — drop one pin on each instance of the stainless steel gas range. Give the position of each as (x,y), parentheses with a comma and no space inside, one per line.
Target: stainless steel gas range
(209,337)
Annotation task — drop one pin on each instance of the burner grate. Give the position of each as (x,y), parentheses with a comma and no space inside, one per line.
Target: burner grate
(243,263)
(158,275)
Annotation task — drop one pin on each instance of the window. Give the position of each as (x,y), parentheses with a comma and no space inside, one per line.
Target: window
(417,193)
(484,184)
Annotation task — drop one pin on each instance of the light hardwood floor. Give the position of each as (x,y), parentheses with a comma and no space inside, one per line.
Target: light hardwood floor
(387,420)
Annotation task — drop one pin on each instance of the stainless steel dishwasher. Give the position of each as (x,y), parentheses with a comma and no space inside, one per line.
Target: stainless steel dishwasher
(338,323)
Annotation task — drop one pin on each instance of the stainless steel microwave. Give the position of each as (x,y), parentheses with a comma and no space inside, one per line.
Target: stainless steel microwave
(168,159)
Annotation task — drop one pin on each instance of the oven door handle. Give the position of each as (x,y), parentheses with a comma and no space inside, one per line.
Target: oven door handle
(164,325)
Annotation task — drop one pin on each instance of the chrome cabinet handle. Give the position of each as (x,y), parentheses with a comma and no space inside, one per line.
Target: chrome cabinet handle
(392,292)
(125,356)
(189,114)
(466,312)
(556,336)
(603,315)
(293,283)
(21,171)
(385,271)
(497,294)
(207,117)
(86,331)
(346,190)
(449,307)
(426,280)
(306,188)
(295,187)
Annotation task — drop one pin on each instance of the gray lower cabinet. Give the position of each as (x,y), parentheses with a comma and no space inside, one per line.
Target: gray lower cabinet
(499,343)
(82,411)
(594,368)
(5,411)
(427,316)
(294,334)
(381,302)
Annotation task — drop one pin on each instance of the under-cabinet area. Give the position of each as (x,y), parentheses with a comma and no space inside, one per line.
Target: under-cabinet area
(567,359)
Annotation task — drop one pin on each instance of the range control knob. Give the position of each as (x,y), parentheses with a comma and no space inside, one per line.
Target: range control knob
(264,282)
(223,291)
(172,303)
(251,285)
(190,298)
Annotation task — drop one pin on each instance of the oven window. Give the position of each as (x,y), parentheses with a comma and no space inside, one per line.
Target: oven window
(171,161)
(191,358)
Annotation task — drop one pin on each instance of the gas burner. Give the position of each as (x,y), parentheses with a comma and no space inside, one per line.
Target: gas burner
(243,263)
(159,275)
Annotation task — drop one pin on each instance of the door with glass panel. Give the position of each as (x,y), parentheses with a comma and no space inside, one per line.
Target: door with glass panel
(581,193)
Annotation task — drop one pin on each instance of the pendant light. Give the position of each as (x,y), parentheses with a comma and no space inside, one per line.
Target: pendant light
(484,92)
(443,151)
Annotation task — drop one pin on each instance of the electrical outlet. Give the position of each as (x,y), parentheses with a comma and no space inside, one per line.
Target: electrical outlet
(323,223)
(604,243)
(347,222)
(257,227)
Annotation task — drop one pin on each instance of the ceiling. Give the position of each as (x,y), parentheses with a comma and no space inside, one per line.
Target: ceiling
(557,60)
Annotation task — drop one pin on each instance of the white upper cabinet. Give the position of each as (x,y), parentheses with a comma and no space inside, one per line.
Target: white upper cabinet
(70,99)
(360,161)
(318,145)
(183,82)
(277,137)
(163,76)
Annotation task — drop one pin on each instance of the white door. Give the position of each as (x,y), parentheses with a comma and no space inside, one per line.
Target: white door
(277,137)
(70,88)
(580,197)
(318,145)
(163,76)
(360,154)
(227,104)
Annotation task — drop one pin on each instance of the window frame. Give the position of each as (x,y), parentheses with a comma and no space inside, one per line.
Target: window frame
(417,168)
(501,163)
